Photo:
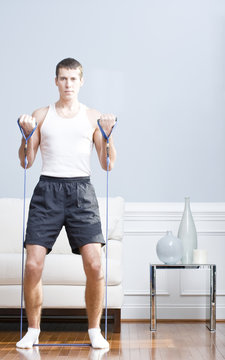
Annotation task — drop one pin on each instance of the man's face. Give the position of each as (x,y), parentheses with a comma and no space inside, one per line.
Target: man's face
(69,83)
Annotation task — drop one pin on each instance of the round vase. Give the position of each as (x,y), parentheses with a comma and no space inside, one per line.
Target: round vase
(169,249)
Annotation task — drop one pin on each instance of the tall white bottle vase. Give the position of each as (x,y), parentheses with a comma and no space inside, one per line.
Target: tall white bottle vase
(187,233)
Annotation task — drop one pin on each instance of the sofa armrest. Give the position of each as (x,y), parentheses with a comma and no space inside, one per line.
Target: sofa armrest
(114,250)
(116,217)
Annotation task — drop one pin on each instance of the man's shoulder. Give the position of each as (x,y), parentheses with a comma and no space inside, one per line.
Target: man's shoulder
(40,114)
(93,112)
(93,116)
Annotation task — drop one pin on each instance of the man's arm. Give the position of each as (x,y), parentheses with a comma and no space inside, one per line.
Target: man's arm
(106,122)
(27,122)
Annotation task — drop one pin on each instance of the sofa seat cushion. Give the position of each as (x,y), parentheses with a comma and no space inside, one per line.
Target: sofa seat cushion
(59,270)
(57,296)
(68,270)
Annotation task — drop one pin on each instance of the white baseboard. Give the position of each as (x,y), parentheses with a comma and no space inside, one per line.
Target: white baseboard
(175,312)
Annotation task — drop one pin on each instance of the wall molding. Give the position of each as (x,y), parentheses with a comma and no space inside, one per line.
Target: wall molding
(200,293)
(138,293)
(213,211)
(162,233)
(176,312)
(145,293)
(144,219)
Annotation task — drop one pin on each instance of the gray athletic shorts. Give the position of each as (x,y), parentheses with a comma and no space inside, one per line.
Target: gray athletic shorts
(69,202)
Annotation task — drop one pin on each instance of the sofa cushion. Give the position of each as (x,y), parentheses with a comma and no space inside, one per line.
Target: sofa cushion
(56,296)
(59,269)
(11,224)
(68,270)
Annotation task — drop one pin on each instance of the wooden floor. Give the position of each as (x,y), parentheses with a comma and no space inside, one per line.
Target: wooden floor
(172,341)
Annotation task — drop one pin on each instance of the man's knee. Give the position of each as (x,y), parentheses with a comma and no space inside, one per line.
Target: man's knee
(93,270)
(35,260)
(34,268)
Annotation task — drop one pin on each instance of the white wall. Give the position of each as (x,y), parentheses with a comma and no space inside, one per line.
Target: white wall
(181,294)
(159,65)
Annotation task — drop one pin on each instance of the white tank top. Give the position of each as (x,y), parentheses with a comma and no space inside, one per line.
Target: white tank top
(66,144)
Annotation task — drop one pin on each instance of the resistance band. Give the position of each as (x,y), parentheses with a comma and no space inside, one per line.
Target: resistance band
(26,138)
(23,238)
(80,345)
(107,221)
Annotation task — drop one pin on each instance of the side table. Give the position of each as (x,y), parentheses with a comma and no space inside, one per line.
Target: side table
(211,323)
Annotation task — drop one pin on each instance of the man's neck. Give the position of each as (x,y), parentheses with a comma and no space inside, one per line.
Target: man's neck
(70,105)
(67,108)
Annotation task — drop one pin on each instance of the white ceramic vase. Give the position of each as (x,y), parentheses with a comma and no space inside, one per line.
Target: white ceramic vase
(169,249)
(187,233)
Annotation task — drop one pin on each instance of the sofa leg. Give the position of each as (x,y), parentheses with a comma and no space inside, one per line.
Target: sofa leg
(117,321)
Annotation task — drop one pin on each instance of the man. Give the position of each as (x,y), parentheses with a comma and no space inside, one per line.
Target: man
(64,195)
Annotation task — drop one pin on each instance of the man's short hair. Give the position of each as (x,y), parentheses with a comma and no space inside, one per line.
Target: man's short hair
(69,63)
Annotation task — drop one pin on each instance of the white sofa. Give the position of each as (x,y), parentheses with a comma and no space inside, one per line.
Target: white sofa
(63,276)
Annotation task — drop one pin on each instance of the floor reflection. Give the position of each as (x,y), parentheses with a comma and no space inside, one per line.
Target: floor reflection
(35,354)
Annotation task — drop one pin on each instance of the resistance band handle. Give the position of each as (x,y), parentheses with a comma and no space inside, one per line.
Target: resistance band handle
(26,138)
(107,139)
(22,132)
(103,132)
